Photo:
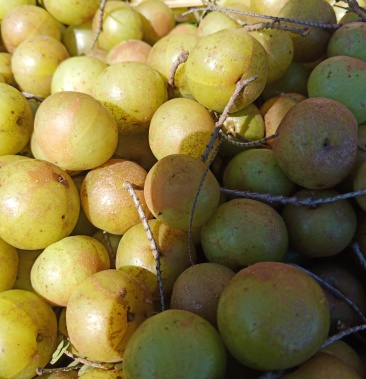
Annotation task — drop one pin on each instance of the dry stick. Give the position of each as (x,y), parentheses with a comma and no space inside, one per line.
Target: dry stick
(356,248)
(181,58)
(275,25)
(334,291)
(273,18)
(100,23)
(290,200)
(218,125)
(343,334)
(41,370)
(30,96)
(353,4)
(150,237)
(247,143)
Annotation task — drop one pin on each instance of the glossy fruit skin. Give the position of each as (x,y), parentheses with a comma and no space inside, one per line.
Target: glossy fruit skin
(103,313)
(28,333)
(242,232)
(218,61)
(175,344)
(341,78)
(170,188)
(38,190)
(309,151)
(16,120)
(74,131)
(273,316)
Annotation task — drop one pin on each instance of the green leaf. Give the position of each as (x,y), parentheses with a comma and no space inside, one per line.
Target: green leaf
(63,345)
(85,368)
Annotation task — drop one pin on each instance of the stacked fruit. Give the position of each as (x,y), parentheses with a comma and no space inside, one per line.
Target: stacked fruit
(182,195)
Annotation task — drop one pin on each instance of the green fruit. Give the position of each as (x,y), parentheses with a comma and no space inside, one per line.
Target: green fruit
(171,186)
(213,22)
(317,143)
(242,232)
(175,344)
(273,316)
(9,261)
(218,61)
(323,230)
(341,78)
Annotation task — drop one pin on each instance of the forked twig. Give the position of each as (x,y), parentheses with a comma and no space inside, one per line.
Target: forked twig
(361,12)
(153,245)
(100,23)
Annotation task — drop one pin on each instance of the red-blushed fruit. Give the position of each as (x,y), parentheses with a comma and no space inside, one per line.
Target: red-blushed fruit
(28,334)
(129,50)
(317,143)
(171,186)
(74,131)
(103,313)
(175,344)
(273,316)
(106,203)
(39,204)
(218,61)
(242,232)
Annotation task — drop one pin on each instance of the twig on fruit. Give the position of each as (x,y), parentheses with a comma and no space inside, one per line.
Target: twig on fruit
(84,361)
(100,23)
(361,258)
(361,12)
(240,85)
(259,142)
(210,7)
(334,291)
(30,96)
(275,25)
(290,200)
(181,58)
(343,334)
(153,245)
(42,371)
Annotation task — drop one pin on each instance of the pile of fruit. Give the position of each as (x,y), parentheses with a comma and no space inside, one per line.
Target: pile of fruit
(183,189)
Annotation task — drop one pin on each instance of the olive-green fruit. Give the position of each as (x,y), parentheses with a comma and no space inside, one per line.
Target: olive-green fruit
(175,344)
(242,232)
(9,261)
(317,143)
(322,230)
(198,289)
(273,316)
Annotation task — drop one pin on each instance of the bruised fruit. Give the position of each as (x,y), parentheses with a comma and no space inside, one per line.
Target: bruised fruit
(273,316)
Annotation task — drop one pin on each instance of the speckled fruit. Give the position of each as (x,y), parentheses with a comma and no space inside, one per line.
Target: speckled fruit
(273,316)
(218,61)
(317,143)
(171,186)
(175,344)
(103,313)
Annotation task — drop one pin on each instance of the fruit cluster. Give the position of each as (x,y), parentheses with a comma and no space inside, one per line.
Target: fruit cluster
(182,192)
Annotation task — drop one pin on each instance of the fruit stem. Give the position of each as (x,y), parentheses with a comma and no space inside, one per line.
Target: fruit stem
(353,5)
(100,23)
(275,25)
(361,258)
(343,334)
(150,237)
(181,58)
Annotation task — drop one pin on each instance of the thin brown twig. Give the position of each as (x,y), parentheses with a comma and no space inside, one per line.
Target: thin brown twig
(290,200)
(87,361)
(41,371)
(343,334)
(218,125)
(247,143)
(181,58)
(361,258)
(361,12)
(153,245)
(276,25)
(30,96)
(100,23)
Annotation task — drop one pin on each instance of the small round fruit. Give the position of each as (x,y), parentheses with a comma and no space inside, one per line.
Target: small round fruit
(28,334)
(74,131)
(213,22)
(273,316)
(106,203)
(242,232)
(132,91)
(198,289)
(34,62)
(16,120)
(104,311)
(171,186)
(175,344)
(317,143)
(129,50)
(31,190)
(63,265)
(323,230)
(212,70)
(180,126)
(9,261)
